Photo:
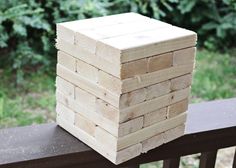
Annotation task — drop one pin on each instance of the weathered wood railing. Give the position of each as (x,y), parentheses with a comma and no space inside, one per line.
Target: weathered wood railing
(210,126)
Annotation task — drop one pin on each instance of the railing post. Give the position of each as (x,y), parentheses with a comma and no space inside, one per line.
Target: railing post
(171,163)
(208,159)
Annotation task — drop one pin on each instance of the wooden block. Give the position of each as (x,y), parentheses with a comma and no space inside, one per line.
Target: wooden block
(132,98)
(65,87)
(107,110)
(127,82)
(177,108)
(162,138)
(85,124)
(155,77)
(176,96)
(157,90)
(90,87)
(184,56)
(65,113)
(68,30)
(152,105)
(88,57)
(148,43)
(174,133)
(105,138)
(128,153)
(87,71)
(155,116)
(109,82)
(159,62)
(152,142)
(130,126)
(133,68)
(150,131)
(99,120)
(86,138)
(85,98)
(66,60)
(181,82)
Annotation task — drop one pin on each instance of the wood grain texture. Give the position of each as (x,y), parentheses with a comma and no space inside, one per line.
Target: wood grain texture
(184,56)
(181,82)
(177,108)
(66,60)
(133,68)
(85,124)
(159,62)
(155,116)
(66,87)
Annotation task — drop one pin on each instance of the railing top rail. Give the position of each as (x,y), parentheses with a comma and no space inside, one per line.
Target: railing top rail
(210,126)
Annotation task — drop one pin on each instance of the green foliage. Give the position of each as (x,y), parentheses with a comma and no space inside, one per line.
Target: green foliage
(214,77)
(27,27)
(32,103)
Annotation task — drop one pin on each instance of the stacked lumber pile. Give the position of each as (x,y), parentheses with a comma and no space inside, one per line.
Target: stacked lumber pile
(123,82)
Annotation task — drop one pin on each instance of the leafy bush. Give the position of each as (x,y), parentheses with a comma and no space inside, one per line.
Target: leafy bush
(27,27)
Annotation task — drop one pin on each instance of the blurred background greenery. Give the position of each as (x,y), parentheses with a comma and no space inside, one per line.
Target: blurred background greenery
(28,54)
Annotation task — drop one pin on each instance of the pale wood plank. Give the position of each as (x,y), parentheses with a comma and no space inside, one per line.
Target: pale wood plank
(157,90)
(105,123)
(162,138)
(184,56)
(150,131)
(89,38)
(86,138)
(67,30)
(159,62)
(128,153)
(105,138)
(155,77)
(181,82)
(109,82)
(84,84)
(65,87)
(133,68)
(132,98)
(152,142)
(88,71)
(155,116)
(65,113)
(85,124)
(85,98)
(107,110)
(82,54)
(174,133)
(152,105)
(66,60)
(177,108)
(130,126)
(148,43)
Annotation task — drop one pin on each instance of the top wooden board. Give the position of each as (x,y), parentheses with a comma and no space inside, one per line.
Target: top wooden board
(125,37)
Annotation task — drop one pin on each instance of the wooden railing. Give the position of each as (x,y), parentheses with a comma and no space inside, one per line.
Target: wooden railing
(210,126)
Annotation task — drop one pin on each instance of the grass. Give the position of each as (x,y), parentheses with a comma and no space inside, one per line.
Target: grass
(214,77)
(33,100)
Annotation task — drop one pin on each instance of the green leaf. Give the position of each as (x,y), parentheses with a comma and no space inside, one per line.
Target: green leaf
(20,29)
(186,6)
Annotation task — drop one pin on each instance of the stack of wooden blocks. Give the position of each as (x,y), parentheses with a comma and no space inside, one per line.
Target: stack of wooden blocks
(123,82)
